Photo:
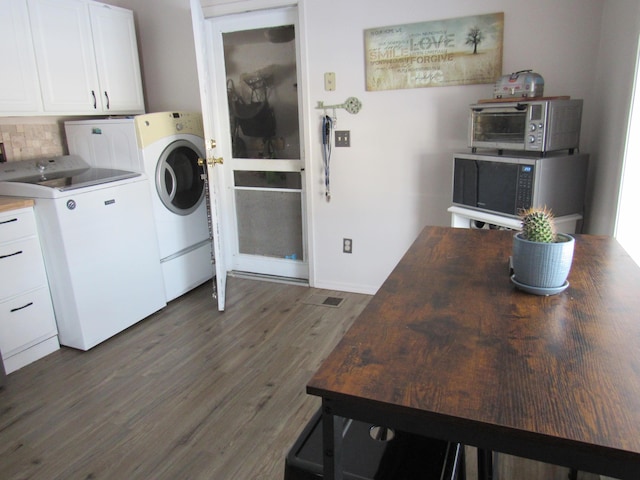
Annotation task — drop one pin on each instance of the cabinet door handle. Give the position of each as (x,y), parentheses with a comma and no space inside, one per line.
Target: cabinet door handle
(10,254)
(106,95)
(20,308)
(9,221)
(95,100)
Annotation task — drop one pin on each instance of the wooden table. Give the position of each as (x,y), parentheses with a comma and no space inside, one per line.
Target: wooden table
(449,348)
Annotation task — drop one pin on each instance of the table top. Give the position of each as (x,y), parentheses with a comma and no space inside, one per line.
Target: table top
(449,343)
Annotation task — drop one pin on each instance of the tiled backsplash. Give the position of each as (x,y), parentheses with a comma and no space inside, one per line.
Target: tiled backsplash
(26,141)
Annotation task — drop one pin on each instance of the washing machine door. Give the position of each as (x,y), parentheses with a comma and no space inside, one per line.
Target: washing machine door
(178,181)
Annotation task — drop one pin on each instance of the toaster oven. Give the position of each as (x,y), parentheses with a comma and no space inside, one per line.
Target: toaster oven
(528,126)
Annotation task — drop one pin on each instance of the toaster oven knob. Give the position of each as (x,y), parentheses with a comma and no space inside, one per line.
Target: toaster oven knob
(532,139)
(532,127)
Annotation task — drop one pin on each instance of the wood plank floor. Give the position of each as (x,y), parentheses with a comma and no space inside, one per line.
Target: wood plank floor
(187,393)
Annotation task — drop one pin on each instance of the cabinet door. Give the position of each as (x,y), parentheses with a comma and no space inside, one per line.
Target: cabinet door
(26,320)
(64,52)
(19,86)
(22,267)
(116,50)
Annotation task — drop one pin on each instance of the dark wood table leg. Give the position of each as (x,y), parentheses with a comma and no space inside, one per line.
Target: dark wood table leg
(331,443)
(573,474)
(485,464)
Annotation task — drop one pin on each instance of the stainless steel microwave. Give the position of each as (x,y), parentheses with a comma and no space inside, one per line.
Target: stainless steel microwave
(531,126)
(508,185)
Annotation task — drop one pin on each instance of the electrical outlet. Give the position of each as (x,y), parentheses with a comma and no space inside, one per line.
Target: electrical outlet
(347,245)
(343,138)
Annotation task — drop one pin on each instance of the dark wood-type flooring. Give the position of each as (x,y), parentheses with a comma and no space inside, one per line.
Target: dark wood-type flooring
(187,393)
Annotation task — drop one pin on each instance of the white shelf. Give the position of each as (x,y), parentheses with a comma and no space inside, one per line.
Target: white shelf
(463,217)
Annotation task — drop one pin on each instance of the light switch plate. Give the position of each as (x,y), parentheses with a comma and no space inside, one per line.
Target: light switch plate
(329,81)
(343,138)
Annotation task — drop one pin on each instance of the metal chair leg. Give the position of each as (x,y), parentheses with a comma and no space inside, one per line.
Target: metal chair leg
(485,464)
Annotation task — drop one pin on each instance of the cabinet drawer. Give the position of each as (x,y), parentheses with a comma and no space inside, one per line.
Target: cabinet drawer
(21,267)
(26,320)
(14,225)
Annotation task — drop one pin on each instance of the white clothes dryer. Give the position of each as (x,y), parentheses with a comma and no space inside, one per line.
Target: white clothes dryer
(168,145)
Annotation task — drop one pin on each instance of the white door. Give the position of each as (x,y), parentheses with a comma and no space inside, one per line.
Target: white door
(209,100)
(253,64)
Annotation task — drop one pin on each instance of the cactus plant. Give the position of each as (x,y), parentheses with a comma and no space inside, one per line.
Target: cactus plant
(538,225)
(541,258)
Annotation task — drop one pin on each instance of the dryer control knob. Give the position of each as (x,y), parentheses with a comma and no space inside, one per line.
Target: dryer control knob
(179,126)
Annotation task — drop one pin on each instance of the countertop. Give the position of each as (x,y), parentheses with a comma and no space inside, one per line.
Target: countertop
(12,203)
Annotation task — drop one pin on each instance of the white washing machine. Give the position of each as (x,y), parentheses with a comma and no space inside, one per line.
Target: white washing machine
(98,242)
(166,147)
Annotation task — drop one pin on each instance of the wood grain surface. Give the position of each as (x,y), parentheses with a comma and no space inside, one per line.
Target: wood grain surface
(450,342)
(13,203)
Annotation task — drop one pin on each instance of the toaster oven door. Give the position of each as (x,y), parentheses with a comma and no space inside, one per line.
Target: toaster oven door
(501,128)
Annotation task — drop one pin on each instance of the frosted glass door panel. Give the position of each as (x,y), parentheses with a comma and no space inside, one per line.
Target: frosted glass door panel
(262,92)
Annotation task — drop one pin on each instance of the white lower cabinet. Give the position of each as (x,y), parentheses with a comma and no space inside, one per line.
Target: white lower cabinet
(27,323)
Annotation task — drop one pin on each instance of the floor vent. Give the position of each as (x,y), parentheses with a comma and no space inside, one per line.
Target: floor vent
(324,301)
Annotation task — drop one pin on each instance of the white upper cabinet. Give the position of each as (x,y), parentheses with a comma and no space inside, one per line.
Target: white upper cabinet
(64,51)
(87,57)
(19,86)
(115,46)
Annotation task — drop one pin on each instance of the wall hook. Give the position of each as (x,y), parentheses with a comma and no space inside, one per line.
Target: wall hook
(351,105)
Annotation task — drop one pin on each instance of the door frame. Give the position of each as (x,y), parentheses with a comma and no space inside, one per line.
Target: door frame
(305,109)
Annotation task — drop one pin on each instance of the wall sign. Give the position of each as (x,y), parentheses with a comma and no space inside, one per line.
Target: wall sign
(457,51)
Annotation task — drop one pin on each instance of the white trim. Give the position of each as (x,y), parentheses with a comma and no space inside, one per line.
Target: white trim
(242,6)
(306,110)
(31,354)
(625,227)
(347,287)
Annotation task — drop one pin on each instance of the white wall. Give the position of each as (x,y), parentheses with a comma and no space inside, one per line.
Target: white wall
(395,178)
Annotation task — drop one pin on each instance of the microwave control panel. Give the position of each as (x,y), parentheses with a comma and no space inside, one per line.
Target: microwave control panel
(524,190)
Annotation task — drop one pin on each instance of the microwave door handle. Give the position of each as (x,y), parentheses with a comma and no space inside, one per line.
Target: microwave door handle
(520,107)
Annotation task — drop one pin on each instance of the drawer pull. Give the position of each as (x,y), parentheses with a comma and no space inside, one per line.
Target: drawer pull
(20,308)
(10,254)
(9,221)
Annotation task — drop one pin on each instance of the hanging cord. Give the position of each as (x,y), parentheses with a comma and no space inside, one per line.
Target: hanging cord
(207,199)
(327,129)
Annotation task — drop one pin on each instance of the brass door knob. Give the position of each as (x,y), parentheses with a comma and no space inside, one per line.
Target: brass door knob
(211,161)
